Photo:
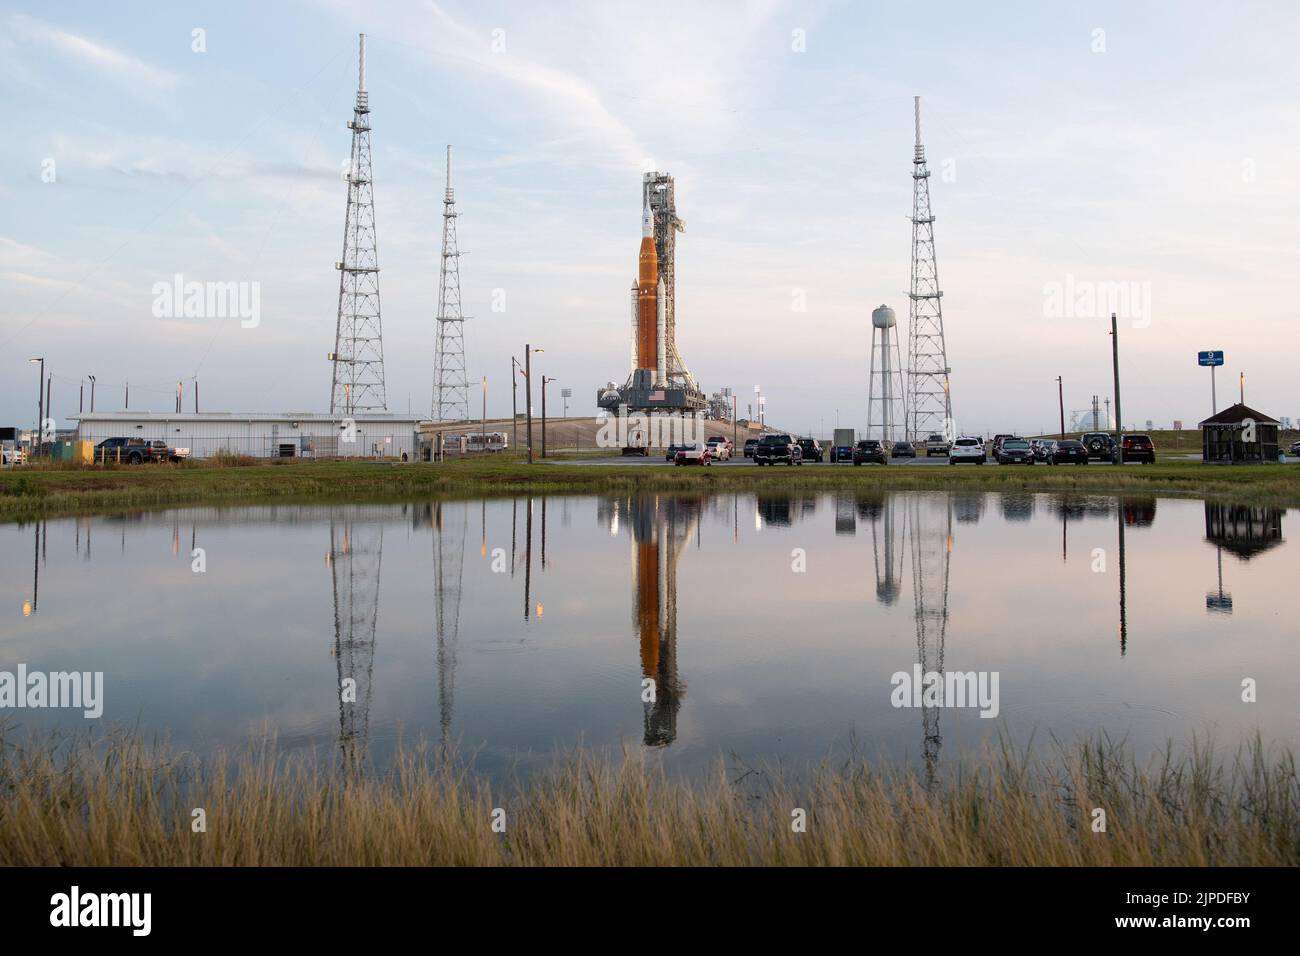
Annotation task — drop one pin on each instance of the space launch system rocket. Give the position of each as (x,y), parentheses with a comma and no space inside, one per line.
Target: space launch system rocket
(657,377)
(650,304)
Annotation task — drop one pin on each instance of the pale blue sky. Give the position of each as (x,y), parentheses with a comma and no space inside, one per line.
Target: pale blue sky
(1169,159)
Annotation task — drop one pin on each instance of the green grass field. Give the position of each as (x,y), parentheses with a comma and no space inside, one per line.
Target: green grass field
(49,491)
(117,801)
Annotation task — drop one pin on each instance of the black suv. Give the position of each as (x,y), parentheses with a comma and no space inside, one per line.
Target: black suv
(869,450)
(1139,448)
(1099,444)
(750,445)
(773,448)
(811,449)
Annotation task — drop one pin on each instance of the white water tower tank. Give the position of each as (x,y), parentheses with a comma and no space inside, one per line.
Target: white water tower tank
(882,317)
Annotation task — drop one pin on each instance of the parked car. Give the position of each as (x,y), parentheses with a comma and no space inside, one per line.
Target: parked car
(778,448)
(997,443)
(1042,449)
(936,444)
(132,451)
(1295,448)
(671,454)
(811,449)
(967,448)
(750,445)
(1099,444)
(1015,451)
(720,447)
(904,449)
(1069,452)
(869,450)
(1139,448)
(841,453)
(696,454)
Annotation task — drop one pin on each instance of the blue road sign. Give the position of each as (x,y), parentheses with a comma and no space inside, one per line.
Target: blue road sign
(1209,358)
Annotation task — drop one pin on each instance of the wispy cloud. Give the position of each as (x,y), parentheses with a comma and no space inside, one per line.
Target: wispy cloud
(92,54)
(565,95)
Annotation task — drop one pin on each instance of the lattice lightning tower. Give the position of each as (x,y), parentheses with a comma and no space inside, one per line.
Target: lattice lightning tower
(355,556)
(450,381)
(358,356)
(929,397)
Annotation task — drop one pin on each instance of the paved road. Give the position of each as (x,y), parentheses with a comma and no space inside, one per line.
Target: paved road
(657,461)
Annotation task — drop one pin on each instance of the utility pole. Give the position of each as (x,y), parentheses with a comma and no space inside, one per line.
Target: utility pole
(544,381)
(49,413)
(485,413)
(196,396)
(735,429)
(528,396)
(1060,395)
(128,395)
(81,398)
(1119,417)
(1241,381)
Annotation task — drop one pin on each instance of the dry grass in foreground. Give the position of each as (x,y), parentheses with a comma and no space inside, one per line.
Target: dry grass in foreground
(112,801)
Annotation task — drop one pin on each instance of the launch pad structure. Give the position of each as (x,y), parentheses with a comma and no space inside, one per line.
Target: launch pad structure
(658,379)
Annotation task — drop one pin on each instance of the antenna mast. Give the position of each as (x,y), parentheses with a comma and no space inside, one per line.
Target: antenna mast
(929,396)
(358,356)
(450,380)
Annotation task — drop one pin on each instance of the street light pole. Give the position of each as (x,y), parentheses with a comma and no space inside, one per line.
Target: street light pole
(514,407)
(1119,417)
(40,403)
(92,393)
(485,413)
(528,396)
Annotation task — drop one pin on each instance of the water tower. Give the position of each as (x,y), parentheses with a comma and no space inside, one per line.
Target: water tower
(885,416)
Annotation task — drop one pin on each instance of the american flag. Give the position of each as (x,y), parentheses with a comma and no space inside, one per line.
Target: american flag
(657,396)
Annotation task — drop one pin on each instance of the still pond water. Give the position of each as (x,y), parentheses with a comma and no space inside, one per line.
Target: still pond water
(771,627)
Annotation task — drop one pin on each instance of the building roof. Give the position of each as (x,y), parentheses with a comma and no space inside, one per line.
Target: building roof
(239,417)
(1236,414)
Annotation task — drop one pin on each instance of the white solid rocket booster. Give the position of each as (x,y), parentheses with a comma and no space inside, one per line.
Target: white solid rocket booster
(635,291)
(661,322)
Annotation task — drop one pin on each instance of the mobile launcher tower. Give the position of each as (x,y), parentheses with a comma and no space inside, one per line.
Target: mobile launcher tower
(659,381)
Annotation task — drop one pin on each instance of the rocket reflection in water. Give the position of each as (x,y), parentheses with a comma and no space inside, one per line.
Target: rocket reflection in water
(659,527)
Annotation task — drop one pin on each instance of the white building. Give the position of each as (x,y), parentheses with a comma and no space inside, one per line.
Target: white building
(261,435)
